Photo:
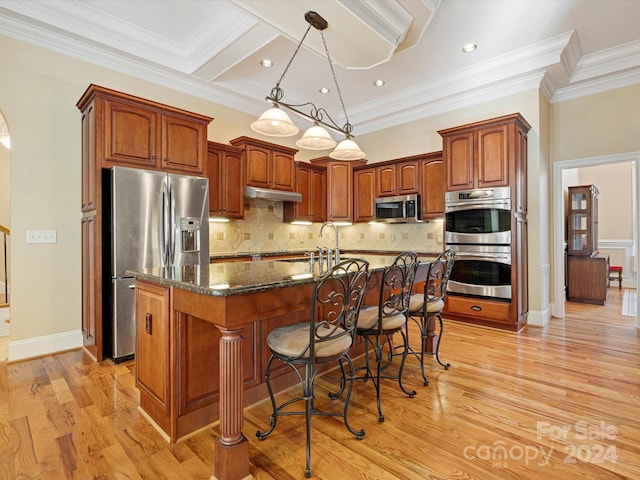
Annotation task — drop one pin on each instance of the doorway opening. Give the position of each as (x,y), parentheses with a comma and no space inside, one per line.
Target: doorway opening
(560,171)
(5,237)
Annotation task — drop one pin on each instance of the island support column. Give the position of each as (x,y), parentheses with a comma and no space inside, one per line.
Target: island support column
(232,448)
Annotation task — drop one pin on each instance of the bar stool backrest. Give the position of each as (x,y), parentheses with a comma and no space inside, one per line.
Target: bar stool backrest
(395,288)
(337,297)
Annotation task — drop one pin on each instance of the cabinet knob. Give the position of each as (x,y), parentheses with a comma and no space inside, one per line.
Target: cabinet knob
(153,157)
(165,159)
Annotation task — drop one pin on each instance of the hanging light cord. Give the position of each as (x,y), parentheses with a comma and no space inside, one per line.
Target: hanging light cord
(317,114)
(347,126)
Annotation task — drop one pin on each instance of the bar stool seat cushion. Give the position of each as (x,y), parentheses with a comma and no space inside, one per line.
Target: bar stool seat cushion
(292,340)
(368,318)
(417,300)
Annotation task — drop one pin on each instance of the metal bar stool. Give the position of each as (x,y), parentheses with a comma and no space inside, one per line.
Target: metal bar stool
(310,346)
(425,308)
(377,324)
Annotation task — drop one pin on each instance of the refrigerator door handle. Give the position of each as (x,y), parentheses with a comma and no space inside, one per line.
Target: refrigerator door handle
(164,227)
(173,225)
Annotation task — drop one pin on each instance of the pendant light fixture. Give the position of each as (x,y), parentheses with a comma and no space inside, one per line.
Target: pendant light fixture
(276,123)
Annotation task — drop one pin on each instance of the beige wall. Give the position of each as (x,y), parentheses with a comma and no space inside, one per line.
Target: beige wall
(595,125)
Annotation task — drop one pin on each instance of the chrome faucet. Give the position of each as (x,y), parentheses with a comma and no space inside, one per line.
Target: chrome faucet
(337,250)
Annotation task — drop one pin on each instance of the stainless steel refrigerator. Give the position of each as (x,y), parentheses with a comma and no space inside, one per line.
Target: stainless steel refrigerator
(152,219)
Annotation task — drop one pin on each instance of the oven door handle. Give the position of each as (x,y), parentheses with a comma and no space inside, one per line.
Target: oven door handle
(456,206)
(501,258)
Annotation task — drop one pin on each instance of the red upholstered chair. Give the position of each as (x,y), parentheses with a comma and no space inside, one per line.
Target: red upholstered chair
(615,273)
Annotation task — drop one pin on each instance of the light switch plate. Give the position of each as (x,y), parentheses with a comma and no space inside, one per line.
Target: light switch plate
(42,236)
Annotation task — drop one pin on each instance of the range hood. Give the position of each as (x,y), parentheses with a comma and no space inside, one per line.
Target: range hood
(269,194)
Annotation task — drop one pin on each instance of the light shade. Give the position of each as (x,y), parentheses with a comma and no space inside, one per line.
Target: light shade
(316,138)
(347,149)
(275,123)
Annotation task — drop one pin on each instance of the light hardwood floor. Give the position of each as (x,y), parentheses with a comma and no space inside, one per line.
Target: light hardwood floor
(561,401)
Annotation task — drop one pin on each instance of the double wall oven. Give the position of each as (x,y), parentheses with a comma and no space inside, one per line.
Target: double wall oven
(478,228)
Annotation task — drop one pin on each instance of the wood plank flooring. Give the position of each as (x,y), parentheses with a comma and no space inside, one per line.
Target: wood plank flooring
(556,402)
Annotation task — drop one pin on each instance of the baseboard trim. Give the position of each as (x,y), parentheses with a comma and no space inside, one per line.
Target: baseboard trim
(45,345)
(539,318)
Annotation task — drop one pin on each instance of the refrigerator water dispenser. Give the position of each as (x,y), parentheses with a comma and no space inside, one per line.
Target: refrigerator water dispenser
(190,234)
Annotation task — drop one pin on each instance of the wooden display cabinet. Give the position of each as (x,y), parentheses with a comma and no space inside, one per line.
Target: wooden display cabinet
(225,170)
(588,279)
(582,221)
(268,165)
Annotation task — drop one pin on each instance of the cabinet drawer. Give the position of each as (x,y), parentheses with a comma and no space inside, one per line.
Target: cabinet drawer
(482,309)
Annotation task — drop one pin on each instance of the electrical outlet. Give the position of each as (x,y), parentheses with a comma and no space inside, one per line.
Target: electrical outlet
(439,238)
(42,236)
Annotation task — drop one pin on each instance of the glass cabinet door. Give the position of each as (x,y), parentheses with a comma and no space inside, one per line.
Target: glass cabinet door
(582,220)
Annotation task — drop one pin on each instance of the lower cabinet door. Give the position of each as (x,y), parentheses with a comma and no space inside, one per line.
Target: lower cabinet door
(152,342)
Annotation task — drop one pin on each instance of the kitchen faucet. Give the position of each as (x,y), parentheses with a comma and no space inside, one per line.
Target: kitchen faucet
(337,250)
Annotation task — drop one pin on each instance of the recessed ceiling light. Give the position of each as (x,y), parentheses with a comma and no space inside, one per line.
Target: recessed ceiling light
(469,47)
(266,63)
(379,83)
(324,90)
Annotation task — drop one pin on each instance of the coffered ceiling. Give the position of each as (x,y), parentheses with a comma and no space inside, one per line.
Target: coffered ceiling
(213,49)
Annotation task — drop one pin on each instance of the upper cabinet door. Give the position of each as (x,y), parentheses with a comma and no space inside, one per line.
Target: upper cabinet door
(432,189)
(184,145)
(132,135)
(258,166)
(492,168)
(408,178)
(283,171)
(458,150)
(385,181)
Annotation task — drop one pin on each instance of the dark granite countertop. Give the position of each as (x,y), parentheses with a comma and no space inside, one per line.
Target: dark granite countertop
(236,278)
(279,253)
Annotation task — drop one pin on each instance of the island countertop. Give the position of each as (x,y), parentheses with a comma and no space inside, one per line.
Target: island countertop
(237,278)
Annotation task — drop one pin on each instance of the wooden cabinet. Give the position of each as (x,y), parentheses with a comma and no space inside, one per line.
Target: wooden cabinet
(225,169)
(588,279)
(311,183)
(432,191)
(145,136)
(487,154)
(120,129)
(268,165)
(483,154)
(152,342)
(582,220)
(339,187)
(419,174)
(364,192)
(91,297)
(398,178)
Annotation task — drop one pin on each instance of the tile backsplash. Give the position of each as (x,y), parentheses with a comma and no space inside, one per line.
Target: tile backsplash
(262,230)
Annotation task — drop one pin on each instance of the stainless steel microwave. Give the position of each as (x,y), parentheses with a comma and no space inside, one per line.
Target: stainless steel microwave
(401,209)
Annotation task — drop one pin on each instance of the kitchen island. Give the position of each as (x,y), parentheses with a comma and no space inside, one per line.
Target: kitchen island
(201,344)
